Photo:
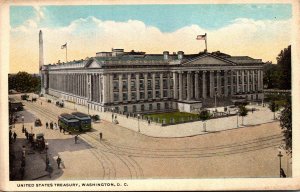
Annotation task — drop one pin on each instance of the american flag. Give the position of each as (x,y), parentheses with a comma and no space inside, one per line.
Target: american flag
(201,37)
(64,46)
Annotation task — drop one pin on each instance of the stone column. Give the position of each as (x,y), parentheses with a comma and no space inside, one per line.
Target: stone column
(146,85)
(237,82)
(169,85)
(175,85)
(258,80)
(243,81)
(219,83)
(161,85)
(111,88)
(253,80)
(248,81)
(261,80)
(180,86)
(226,83)
(129,86)
(188,85)
(100,87)
(105,89)
(153,85)
(204,86)
(137,81)
(120,88)
(212,84)
(197,85)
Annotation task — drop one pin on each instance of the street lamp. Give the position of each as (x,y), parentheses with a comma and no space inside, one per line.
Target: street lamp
(237,118)
(280,155)
(138,115)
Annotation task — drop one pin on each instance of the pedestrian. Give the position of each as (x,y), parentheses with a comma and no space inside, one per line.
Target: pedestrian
(100,136)
(148,121)
(252,110)
(282,173)
(58,160)
(10,136)
(15,136)
(51,125)
(26,134)
(112,117)
(127,115)
(60,128)
(23,128)
(47,125)
(64,130)
(55,126)
(76,138)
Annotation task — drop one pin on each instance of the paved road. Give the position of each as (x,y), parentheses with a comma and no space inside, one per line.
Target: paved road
(247,152)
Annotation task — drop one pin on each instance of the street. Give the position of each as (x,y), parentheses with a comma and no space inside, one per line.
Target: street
(126,154)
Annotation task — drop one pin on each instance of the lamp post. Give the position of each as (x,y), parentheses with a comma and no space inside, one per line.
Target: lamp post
(280,155)
(237,118)
(138,122)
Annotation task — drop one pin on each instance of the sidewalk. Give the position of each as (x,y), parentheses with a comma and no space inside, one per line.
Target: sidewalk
(260,116)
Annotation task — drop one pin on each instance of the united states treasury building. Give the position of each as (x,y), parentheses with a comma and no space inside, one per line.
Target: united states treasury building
(139,82)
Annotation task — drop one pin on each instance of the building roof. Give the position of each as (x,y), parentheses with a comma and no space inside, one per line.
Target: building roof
(138,58)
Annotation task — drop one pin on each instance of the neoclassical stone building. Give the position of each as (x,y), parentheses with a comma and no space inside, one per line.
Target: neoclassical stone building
(140,82)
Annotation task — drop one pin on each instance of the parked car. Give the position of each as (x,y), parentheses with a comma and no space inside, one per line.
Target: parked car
(37,123)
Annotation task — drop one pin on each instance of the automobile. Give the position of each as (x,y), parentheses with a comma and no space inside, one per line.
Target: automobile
(37,123)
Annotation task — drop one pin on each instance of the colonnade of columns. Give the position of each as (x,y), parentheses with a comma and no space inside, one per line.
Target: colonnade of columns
(179,85)
(196,85)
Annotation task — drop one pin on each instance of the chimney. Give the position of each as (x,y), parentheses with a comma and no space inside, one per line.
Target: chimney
(180,55)
(166,55)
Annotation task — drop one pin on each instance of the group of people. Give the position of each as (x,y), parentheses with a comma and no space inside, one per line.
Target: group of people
(51,125)
(12,136)
(54,126)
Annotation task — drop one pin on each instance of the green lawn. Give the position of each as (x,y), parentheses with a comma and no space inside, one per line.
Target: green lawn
(176,115)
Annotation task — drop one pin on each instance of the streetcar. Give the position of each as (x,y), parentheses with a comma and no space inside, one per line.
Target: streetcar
(84,119)
(68,122)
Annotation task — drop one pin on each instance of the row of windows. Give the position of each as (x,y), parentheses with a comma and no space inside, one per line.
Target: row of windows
(142,95)
(141,84)
(140,75)
(165,75)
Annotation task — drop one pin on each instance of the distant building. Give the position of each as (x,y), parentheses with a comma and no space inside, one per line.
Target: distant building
(140,82)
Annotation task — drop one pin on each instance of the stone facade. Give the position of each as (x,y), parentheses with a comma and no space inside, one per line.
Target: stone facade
(139,82)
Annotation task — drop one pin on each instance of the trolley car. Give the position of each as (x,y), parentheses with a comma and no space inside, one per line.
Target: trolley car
(68,122)
(84,119)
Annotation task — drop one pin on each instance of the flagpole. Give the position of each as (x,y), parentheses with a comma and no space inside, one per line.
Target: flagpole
(66,52)
(205,42)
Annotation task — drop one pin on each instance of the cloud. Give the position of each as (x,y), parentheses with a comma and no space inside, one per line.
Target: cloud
(255,38)
(39,12)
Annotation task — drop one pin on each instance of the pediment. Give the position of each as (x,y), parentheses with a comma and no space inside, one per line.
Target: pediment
(209,60)
(92,63)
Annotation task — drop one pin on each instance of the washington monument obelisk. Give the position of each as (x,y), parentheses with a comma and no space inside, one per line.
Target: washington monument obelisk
(41,60)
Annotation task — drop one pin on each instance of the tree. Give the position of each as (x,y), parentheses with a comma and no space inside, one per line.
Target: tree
(271,75)
(284,66)
(273,107)
(286,125)
(204,115)
(24,82)
(243,111)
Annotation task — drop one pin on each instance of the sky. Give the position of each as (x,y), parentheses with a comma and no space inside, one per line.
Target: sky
(256,30)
